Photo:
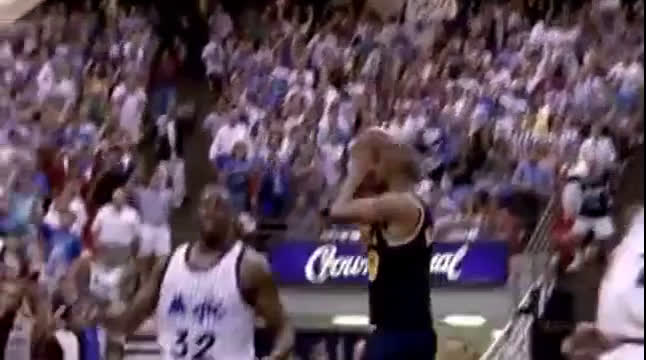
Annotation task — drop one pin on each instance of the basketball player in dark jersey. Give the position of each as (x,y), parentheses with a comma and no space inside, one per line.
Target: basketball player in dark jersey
(399,250)
(208,294)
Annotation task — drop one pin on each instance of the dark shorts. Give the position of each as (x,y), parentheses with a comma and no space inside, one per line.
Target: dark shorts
(400,345)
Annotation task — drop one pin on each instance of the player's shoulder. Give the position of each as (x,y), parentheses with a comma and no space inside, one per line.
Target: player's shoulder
(253,261)
(407,199)
(254,268)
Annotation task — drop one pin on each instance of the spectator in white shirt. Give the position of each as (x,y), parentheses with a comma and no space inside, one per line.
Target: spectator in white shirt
(45,78)
(66,90)
(234,131)
(215,118)
(403,128)
(69,200)
(117,224)
(599,149)
(214,59)
(154,202)
(629,79)
(131,101)
(590,95)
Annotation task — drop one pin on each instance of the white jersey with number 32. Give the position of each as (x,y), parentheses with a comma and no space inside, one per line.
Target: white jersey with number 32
(202,314)
(621,297)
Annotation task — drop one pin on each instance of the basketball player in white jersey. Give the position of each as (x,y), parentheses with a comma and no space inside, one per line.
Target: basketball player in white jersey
(619,331)
(399,250)
(207,295)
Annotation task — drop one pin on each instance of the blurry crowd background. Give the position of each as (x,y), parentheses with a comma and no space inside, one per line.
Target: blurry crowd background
(498,104)
(502,101)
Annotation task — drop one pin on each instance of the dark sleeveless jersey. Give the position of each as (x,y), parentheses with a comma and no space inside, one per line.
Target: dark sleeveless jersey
(596,201)
(400,281)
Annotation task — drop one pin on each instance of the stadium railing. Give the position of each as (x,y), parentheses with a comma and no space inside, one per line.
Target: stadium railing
(513,342)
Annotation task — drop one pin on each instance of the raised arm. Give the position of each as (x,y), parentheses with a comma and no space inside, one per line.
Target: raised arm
(386,207)
(261,292)
(142,306)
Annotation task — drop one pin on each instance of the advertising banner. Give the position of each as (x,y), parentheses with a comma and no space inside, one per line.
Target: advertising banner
(478,263)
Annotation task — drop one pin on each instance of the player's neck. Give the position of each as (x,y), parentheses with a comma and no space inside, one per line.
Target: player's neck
(216,246)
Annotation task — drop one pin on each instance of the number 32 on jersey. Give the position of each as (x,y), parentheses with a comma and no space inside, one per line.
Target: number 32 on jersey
(189,346)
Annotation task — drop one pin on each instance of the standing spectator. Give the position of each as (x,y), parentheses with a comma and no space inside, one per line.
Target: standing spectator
(533,176)
(25,323)
(164,83)
(155,203)
(238,176)
(117,224)
(114,169)
(220,23)
(46,76)
(105,278)
(593,227)
(234,131)
(214,59)
(170,152)
(307,175)
(65,90)
(62,247)
(304,220)
(272,198)
(69,200)
(23,209)
(599,149)
(131,100)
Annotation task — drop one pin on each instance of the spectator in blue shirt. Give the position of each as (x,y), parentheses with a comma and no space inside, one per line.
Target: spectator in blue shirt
(61,247)
(22,203)
(273,192)
(530,175)
(238,172)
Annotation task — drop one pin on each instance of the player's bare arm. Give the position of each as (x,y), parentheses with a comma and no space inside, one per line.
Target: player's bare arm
(385,207)
(143,304)
(259,289)
(70,283)
(41,308)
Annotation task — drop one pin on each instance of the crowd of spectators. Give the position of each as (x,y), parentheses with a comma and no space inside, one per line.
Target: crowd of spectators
(496,107)
(73,106)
